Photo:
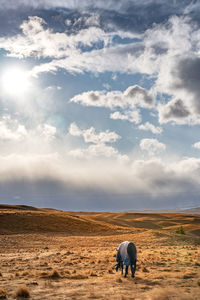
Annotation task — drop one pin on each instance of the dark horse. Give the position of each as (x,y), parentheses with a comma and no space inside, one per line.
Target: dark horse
(126,255)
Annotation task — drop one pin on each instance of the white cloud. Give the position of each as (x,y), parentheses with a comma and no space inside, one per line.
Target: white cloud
(132,116)
(152,146)
(151,177)
(89,20)
(196,145)
(37,41)
(11,129)
(98,151)
(46,131)
(75,130)
(150,127)
(129,101)
(133,96)
(99,147)
(101,60)
(90,136)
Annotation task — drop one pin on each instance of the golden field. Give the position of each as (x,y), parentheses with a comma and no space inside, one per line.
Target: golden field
(51,254)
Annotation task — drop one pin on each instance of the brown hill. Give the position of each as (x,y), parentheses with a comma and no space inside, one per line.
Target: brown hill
(24,219)
(20,220)
(147,221)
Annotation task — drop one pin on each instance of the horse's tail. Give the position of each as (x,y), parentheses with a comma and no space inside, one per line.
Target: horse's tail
(132,253)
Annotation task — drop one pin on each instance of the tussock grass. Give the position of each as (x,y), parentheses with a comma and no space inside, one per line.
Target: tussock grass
(55,275)
(93,274)
(23,292)
(188,275)
(145,270)
(3,294)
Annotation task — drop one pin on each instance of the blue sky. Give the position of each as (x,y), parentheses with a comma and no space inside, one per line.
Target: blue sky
(99,104)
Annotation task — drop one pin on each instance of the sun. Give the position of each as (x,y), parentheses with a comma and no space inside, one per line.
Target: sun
(15,81)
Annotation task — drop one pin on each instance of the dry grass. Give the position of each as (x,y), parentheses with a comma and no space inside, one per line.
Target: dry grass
(162,294)
(65,265)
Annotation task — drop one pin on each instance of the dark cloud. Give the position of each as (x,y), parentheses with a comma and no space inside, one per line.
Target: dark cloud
(52,194)
(135,91)
(176,109)
(126,15)
(187,77)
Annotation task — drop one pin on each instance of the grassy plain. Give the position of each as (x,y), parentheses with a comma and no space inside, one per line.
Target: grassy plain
(69,255)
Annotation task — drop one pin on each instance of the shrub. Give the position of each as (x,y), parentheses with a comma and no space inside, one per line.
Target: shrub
(180,230)
(23,292)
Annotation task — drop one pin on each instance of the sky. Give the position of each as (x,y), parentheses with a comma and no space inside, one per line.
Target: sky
(99,104)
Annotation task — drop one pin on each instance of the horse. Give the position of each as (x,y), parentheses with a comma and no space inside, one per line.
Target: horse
(126,255)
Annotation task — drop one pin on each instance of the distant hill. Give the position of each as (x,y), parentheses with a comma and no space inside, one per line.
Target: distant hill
(192,211)
(22,207)
(16,219)
(27,219)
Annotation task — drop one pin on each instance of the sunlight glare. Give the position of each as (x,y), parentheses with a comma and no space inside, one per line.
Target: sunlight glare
(15,81)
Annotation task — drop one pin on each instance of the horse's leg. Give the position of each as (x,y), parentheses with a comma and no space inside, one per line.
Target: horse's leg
(122,267)
(133,269)
(126,271)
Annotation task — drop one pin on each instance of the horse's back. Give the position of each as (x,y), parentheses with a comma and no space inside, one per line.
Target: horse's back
(132,252)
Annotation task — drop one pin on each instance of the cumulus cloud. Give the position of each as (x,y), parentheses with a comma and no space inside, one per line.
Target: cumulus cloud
(132,116)
(46,131)
(99,147)
(128,101)
(11,129)
(178,73)
(186,80)
(196,145)
(102,60)
(132,97)
(152,146)
(99,151)
(150,127)
(90,135)
(175,111)
(142,179)
(38,41)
